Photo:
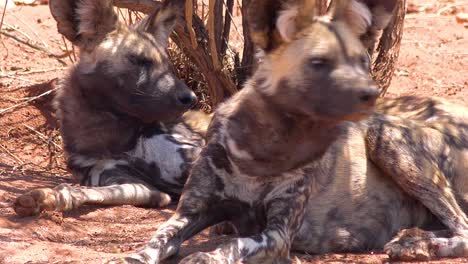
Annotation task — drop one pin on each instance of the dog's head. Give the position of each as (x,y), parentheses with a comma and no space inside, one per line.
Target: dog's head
(124,67)
(317,65)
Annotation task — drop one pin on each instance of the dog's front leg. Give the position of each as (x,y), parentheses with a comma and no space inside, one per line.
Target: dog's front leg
(197,210)
(284,217)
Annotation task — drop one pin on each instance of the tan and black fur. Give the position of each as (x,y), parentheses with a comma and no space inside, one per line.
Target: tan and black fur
(123,113)
(291,162)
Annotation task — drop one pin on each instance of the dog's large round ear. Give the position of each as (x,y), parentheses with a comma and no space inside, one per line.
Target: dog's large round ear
(162,21)
(363,15)
(273,22)
(84,22)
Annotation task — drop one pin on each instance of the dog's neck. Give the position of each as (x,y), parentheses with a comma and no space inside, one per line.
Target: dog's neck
(265,141)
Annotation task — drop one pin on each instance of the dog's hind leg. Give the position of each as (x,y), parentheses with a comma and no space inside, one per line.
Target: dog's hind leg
(116,187)
(421,159)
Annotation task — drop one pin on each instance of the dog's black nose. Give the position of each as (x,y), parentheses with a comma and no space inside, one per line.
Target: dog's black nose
(369,95)
(187,98)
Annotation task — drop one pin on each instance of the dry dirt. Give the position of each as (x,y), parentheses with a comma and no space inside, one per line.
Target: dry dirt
(433,61)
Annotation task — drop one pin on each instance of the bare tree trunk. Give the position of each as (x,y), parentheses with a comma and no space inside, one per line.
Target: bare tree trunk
(227,26)
(389,49)
(218,25)
(322,7)
(248,59)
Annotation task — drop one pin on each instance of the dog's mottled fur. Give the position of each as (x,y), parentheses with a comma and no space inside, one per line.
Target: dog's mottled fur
(284,164)
(121,112)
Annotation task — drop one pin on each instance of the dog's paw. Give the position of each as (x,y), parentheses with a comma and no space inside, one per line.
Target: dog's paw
(419,245)
(35,201)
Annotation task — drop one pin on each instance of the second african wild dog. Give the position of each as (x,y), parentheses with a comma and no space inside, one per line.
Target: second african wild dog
(285,166)
(121,112)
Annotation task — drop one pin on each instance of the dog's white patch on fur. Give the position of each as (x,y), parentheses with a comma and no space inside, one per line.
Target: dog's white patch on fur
(102,166)
(65,203)
(251,245)
(82,161)
(236,151)
(432,119)
(286,25)
(164,151)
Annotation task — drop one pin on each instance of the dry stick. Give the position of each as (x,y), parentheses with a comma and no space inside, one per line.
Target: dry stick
(18,78)
(450,6)
(66,48)
(11,154)
(123,16)
(227,26)
(32,30)
(1,24)
(13,28)
(31,72)
(73,52)
(189,22)
(235,26)
(3,111)
(3,14)
(57,56)
(43,137)
(211,35)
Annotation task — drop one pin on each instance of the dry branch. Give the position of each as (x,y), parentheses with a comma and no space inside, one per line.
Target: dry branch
(11,154)
(227,26)
(43,137)
(3,111)
(31,72)
(189,21)
(36,47)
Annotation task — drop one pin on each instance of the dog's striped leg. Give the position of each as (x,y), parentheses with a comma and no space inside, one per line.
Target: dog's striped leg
(284,217)
(65,197)
(419,160)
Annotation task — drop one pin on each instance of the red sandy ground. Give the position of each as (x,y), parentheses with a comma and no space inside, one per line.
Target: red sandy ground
(433,61)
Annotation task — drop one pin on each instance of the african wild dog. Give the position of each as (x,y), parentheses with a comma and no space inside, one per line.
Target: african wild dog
(121,112)
(285,166)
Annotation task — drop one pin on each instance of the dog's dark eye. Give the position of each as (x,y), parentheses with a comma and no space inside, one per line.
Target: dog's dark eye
(140,61)
(319,63)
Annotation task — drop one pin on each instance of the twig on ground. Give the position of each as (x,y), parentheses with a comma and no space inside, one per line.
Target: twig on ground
(13,28)
(446,8)
(34,46)
(43,137)
(31,29)
(66,48)
(3,14)
(3,111)
(1,24)
(11,154)
(32,72)
(17,78)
